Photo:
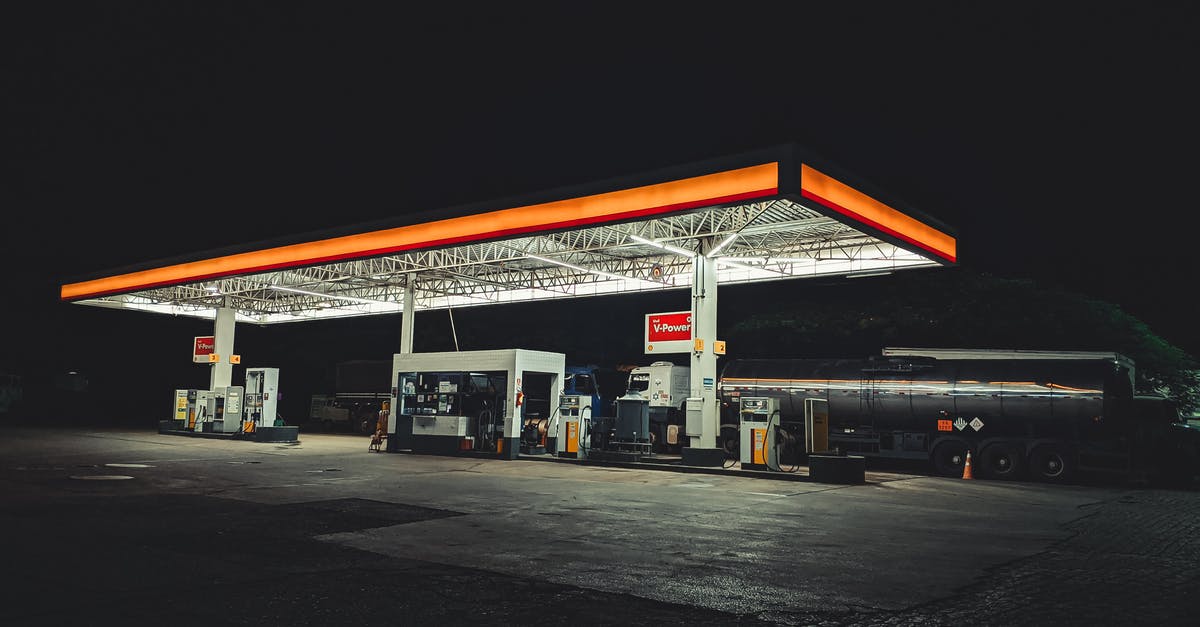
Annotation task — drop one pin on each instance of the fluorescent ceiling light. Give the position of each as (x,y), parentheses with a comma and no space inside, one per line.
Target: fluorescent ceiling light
(691,255)
(675,249)
(866,273)
(588,270)
(725,242)
(743,266)
(333,296)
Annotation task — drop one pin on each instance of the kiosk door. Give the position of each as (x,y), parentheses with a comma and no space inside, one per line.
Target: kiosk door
(816,425)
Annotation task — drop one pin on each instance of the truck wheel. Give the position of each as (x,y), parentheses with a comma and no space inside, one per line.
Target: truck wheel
(728,440)
(1050,463)
(1002,460)
(949,457)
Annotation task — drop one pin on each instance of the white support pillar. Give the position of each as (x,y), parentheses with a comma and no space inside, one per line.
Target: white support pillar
(222,371)
(406,347)
(704,362)
(406,324)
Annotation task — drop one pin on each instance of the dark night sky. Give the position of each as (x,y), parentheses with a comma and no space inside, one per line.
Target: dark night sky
(1058,140)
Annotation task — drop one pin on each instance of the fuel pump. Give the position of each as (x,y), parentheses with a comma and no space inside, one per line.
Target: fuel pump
(574,414)
(262,395)
(219,410)
(759,432)
(227,413)
(185,409)
(206,406)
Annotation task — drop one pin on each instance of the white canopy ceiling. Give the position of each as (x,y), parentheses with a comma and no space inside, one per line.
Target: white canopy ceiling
(773,233)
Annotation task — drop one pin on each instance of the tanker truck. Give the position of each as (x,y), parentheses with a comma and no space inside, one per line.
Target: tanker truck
(1045,415)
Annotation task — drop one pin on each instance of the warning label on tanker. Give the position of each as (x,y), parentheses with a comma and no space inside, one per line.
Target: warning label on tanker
(945,425)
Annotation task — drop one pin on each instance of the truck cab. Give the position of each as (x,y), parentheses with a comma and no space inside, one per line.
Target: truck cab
(666,385)
(601,384)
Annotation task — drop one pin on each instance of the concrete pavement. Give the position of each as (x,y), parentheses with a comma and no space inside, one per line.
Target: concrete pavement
(324,532)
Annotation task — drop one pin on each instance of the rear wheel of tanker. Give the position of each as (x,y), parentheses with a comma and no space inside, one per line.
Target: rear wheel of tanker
(1002,460)
(731,445)
(949,457)
(1050,463)
(729,442)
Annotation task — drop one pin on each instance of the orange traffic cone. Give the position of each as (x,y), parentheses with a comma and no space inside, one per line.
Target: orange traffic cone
(967,467)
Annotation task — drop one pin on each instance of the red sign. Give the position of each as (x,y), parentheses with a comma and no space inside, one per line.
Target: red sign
(664,327)
(202,347)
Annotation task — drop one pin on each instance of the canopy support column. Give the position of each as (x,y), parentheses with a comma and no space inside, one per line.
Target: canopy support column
(703,369)
(223,326)
(406,323)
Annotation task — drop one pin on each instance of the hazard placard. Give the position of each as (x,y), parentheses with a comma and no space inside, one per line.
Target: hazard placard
(945,425)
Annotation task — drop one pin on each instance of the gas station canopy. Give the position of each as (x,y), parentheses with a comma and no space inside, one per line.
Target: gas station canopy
(766,215)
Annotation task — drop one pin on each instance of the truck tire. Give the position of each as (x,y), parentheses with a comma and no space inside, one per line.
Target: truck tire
(1050,463)
(949,457)
(1002,460)
(728,440)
